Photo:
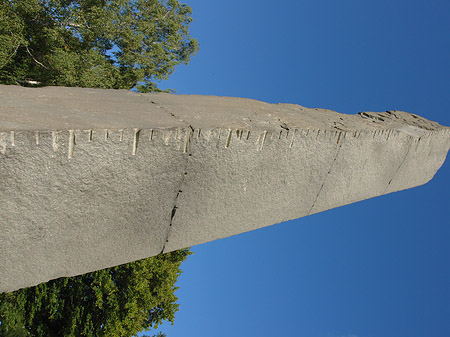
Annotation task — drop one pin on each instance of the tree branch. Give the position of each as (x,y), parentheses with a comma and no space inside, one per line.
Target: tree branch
(28,50)
(11,56)
(165,15)
(72,25)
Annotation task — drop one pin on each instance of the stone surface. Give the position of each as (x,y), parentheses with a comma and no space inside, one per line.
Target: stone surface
(94,178)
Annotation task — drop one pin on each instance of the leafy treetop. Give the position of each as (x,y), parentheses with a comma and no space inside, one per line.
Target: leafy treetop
(114,302)
(93,43)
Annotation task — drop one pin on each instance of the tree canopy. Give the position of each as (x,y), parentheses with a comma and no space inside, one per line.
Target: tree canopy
(118,44)
(118,301)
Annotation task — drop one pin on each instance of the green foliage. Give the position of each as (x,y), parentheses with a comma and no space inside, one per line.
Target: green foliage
(118,301)
(119,44)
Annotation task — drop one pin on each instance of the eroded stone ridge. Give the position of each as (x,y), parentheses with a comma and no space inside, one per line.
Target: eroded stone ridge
(95,178)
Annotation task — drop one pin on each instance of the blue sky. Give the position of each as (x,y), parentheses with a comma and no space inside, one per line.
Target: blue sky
(375,268)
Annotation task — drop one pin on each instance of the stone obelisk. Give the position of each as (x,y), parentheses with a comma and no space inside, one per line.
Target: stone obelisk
(95,178)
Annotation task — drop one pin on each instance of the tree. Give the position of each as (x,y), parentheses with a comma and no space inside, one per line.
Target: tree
(118,44)
(118,301)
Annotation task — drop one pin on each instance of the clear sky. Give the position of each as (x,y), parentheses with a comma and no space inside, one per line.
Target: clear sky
(377,268)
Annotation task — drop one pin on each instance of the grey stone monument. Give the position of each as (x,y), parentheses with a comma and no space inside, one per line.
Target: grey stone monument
(95,178)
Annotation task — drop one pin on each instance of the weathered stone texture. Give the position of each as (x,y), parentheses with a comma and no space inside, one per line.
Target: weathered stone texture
(94,178)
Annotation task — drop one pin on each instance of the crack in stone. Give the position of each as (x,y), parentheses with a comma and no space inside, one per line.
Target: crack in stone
(324,180)
(369,115)
(180,191)
(172,214)
(283,125)
(399,167)
(172,114)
